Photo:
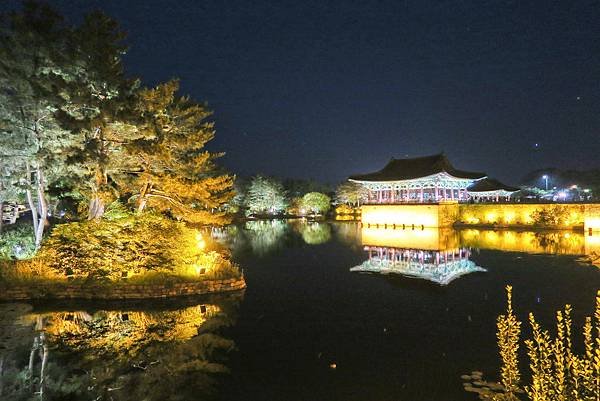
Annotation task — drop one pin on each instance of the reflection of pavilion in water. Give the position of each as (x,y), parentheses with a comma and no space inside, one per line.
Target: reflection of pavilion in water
(440,267)
(430,254)
(442,255)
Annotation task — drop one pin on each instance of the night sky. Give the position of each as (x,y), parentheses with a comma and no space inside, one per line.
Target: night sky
(323,89)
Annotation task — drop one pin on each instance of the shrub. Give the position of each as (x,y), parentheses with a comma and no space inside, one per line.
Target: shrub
(315,203)
(123,244)
(551,216)
(17,242)
(557,372)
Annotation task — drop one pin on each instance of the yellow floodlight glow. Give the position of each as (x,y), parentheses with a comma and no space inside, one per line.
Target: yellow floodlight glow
(398,215)
(428,238)
(200,241)
(491,217)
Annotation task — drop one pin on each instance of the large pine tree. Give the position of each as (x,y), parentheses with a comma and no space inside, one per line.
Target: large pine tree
(101,101)
(174,171)
(34,66)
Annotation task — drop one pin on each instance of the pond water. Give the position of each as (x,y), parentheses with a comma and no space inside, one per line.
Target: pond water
(333,311)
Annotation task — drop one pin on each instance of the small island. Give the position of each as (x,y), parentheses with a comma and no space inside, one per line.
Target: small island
(108,184)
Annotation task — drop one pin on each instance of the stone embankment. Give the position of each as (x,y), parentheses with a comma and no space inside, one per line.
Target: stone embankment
(119,291)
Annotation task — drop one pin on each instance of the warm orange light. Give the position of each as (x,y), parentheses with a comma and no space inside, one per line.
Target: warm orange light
(428,238)
(200,241)
(407,215)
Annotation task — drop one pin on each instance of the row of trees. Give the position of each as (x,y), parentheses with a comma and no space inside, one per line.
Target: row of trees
(267,196)
(75,128)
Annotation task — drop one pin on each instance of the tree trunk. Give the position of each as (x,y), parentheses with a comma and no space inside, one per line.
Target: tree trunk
(34,348)
(43,367)
(96,209)
(143,200)
(1,216)
(33,208)
(43,206)
(97,203)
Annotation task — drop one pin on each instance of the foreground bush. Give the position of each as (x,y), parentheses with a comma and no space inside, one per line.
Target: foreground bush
(557,372)
(124,244)
(17,242)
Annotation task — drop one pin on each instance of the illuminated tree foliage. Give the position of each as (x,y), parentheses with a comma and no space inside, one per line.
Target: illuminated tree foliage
(315,203)
(350,193)
(265,196)
(509,329)
(171,169)
(120,243)
(17,242)
(34,68)
(557,372)
(101,102)
(72,124)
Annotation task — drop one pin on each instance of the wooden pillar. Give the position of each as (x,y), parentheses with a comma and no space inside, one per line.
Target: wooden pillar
(392,195)
(452,194)
(421,195)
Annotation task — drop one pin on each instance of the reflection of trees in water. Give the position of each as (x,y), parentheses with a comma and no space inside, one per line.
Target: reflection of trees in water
(121,355)
(548,241)
(348,233)
(265,236)
(314,233)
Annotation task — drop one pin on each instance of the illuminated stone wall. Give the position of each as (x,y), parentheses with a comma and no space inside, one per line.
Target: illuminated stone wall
(122,291)
(515,215)
(408,215)
(592,217)
(428,238)
(553,215)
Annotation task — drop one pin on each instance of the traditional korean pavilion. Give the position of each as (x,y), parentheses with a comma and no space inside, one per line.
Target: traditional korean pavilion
(418,180)
(490,189)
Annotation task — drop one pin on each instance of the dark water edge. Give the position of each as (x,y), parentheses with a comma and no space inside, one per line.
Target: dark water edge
(389,337)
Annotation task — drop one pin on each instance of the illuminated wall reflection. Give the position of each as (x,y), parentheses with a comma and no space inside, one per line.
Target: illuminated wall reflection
(554,242)
(431,254)
(427,238)
(538,242)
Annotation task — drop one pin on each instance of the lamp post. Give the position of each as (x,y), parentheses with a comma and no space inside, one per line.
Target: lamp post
(545,177)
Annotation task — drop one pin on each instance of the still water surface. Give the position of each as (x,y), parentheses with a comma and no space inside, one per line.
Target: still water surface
(332,311)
